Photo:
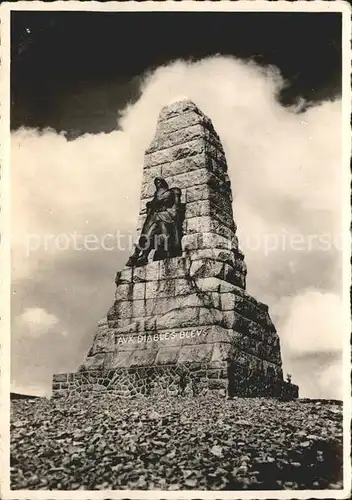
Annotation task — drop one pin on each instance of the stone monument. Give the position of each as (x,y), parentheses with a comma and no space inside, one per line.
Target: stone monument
(182,321)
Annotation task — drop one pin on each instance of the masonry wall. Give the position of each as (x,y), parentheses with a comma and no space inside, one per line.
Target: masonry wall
(197,380)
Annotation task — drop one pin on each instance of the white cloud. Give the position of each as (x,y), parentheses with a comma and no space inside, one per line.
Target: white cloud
(36,321)
(285,170)
(314,322)
(331,381)
(319,380)
(62,187)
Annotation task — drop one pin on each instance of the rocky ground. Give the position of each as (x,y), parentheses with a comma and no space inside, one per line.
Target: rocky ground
(176,443)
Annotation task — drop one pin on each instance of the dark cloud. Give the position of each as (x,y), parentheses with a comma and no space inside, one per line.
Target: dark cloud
(71,70)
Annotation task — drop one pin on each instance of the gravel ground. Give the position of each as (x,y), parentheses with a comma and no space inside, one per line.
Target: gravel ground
(175,443)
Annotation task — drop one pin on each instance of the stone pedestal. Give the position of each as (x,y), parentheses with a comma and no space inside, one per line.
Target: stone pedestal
(186,324)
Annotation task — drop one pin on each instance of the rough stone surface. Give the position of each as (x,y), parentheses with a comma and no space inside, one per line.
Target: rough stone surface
(98,441)
(206,375)
(188,315)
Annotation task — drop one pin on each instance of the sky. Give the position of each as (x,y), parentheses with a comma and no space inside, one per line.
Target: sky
(84,104)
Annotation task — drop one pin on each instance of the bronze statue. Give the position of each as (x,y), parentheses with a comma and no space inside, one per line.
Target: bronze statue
(162,229)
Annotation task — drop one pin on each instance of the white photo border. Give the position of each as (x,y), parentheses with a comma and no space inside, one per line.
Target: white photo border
(6,8)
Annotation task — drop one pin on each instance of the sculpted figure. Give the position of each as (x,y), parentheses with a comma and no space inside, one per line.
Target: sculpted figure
(163,226)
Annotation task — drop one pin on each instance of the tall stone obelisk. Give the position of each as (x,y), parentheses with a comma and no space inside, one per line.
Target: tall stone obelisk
(184,320)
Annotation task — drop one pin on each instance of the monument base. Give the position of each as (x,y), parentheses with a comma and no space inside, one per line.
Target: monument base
(198,379)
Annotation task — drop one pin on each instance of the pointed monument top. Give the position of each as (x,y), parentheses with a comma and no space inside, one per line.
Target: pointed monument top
(178,105)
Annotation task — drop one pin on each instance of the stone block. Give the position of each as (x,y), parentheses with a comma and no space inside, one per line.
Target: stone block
(178,136)
(240,266)
(206,268)
(123,324)
(125,275)
(191,242)
(210,317)
(193,178)
(181,181)
(217,165)
(212,149)
(121,359)
(195,353)
(196,193)
(172,268)
(149,174)
(189,336)
(138,291)
(197,208)
(150,324)
(230,301)
(152,270)
(233,301)
(148,188)
(123,309)
(94,362)
(241,324)
(161,288)
(123,291)
(60,377)
(216,228)
(230,287)
(180,121)
(222,365)
(178,108)
(209,284)
(217,254)
(199,300)
(128,342)
(139,274)
(145,357)
(220,186)
(138,324)
(167,355)
(213,374)
(212,240)
(203,208)
(226,287)
(179,318)
(59,394)
(202,224)
(214,190)
(235,277)
(183,166)
(102,322)
(160,306)
(174,153)
(183,286)
(139,308)
(220,200)
(212,138)
(222,352)
(104,341)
